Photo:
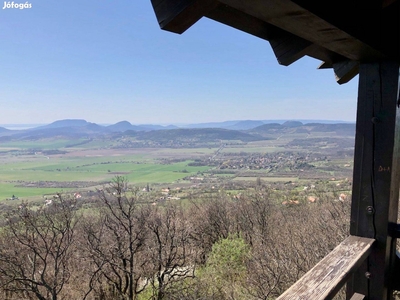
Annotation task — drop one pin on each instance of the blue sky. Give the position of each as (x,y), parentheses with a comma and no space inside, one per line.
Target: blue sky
(107,61)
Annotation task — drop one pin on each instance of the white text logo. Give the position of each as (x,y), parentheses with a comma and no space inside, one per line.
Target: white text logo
(9,4)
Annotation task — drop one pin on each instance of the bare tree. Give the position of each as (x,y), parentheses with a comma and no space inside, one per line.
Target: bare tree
(299,237)
(211,221)
(36,248)
(115,240)
(169,249)
(252,214)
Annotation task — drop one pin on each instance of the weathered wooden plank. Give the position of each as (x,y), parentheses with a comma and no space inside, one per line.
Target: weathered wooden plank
(330,274)
(376,176)
(178,16)
(357,296)
(345,70)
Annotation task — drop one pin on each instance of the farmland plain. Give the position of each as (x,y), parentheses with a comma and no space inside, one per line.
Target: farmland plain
(32,167)
(32,173)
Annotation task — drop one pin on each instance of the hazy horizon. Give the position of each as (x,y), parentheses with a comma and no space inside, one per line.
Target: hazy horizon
(22,126)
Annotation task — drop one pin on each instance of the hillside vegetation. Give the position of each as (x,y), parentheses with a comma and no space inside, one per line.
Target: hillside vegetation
(121,246)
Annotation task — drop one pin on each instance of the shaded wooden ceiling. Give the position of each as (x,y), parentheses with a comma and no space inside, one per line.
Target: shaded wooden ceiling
(340,33)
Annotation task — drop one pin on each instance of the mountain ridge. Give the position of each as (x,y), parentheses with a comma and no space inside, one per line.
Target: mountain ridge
(241,130)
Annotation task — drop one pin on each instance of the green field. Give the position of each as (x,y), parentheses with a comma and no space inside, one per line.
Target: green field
(43,144)
(35,168)
(7,190)
(24,174)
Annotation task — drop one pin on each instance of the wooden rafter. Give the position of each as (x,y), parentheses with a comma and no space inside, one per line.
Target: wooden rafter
(288,47)
(289,16)
(178,16)
(341,33)
(345,70)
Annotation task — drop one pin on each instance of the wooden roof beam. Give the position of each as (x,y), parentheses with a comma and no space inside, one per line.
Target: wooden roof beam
(178,16)
(252,17)
(345,70)
(325,65)
(374,22)
(239,20)
(292,18)
(288,48)
(292,30)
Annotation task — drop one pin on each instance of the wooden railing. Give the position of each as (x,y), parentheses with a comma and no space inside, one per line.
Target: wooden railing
(326,278)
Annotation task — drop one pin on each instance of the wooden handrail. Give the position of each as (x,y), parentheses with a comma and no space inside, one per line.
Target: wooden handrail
(326,278)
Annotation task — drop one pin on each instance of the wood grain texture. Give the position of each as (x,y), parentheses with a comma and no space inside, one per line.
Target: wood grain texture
(330,274)
(376,175)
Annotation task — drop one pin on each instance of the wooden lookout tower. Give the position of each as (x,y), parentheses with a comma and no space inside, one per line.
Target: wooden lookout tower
(351,37)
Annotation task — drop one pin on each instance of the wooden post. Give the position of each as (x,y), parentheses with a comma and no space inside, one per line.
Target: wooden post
(376,177)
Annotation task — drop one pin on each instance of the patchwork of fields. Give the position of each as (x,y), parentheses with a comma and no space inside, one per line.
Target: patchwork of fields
(33,169)
(25,173)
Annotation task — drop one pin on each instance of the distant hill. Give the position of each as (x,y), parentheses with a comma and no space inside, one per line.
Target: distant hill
(70,128)
(89,130)
(305,121)
(157,127)
(196,135)
(233,125)
(249,124)
(124,126)
(63,123)
(5,131)
(268,128)
(343,129)
(340,129)
(245,130)
(244,125)
(225,124)
(292,124)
